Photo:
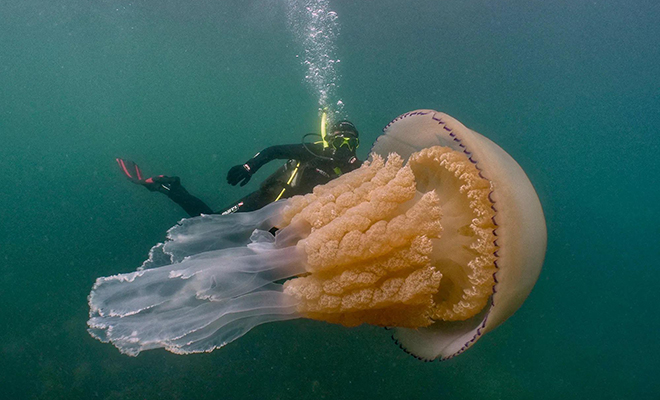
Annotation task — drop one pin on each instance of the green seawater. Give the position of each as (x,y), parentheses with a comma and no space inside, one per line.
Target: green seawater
(570,88)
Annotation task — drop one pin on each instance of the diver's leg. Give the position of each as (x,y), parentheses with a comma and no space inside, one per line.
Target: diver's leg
(169,185)
(251,202)
(190,204)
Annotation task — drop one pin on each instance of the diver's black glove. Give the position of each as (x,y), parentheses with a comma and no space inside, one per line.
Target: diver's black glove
(239,173)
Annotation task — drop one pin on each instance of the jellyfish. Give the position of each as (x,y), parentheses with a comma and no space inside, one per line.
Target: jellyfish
(439,236)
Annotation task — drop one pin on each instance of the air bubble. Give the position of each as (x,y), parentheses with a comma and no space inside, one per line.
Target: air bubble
(316,28)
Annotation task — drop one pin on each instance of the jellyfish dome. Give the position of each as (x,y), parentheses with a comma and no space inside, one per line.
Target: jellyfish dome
(440,235)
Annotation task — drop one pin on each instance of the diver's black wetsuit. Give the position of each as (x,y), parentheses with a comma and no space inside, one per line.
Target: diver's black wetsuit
(306,167)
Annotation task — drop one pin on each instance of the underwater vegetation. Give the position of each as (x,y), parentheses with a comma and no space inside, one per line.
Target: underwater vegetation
(440,235)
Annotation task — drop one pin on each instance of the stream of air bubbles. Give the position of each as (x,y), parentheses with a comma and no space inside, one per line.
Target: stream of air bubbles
(316,28)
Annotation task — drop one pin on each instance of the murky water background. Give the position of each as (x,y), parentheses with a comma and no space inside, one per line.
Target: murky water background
(569,88)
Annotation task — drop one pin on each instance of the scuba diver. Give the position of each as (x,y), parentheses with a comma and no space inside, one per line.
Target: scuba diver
(308,164)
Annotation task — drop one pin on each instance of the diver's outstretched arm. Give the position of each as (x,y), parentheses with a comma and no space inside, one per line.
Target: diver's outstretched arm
(243,172)
(169,185)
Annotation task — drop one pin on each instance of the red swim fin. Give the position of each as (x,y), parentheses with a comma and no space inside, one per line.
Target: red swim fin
(130,169)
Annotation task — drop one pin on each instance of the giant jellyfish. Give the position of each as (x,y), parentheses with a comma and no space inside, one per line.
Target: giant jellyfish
(440,235)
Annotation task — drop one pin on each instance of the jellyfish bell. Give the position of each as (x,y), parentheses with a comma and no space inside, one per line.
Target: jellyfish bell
(520,230)
(440,235)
